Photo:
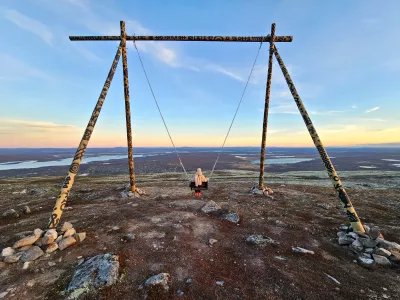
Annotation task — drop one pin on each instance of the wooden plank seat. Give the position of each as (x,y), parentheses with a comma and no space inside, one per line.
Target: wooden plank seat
(204,186)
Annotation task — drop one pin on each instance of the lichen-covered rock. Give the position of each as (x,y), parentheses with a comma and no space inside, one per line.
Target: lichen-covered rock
(65,243)
(94,273)
(383,252)
(69,232)
(66,226)
(80,236)
(260,240)
(158,280)
(7,252)
(32,254)
(231,217)
(381,260)
(29,240)
(210,206)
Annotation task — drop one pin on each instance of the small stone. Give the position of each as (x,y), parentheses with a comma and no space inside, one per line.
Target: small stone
(189,281)
(51,264)
(38,243)
(129,237)
(26,210)
(366,261)
(180,292)
(32,254)
(374,233)
(383,252)
(352,235)
(51,248)
(158,280)
(368,243)
(10,213)
(341,234)
(387,245)
(210,206)
(80,236)
(69,232)
(66,226)
(356,245)
(220,283)
(231,217)
(7,252)
(369,250)
(381,260)
(52,234)
(367,228)
(301,250)
(80,261)
(31,283)
(260,240)
(26,265)
(211,242)
(345,240)
(323,205)
(344,228)
(3,294)
(12,258)
(38,232)
(46,240)
(65,243)
(116,228)
(58,239)
(29,240)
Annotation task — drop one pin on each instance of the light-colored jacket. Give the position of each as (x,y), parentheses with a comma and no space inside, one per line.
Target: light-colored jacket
(199,178)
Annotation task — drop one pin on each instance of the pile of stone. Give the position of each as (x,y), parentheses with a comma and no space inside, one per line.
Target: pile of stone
(370,246)
(255,190)
(40,242)
(16,214)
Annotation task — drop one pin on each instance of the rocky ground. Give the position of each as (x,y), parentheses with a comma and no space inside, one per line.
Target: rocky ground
(198,255)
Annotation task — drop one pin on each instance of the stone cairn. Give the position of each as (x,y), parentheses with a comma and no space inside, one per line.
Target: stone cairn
(369,246)
(40,242)
(266,191)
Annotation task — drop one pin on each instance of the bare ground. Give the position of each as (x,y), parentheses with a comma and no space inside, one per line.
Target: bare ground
(292,218)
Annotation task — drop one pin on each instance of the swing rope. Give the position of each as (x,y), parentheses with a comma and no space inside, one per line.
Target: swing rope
(159,110)
(165,125)
(237,109)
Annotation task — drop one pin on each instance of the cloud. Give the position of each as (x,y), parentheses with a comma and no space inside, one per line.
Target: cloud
(30,24)
(34,126)
(224,71)
(354,106)
(372,109)
(14,69)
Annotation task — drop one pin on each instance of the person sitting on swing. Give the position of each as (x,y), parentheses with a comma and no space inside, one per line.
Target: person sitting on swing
(199,178)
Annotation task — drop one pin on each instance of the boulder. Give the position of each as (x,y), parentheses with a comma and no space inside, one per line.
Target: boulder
(381,260)
(29,240)
(32,254)
(158,280)
(260,240)
(66,226)
(69,232)
(65,243)
(231,217)
(94,273)
(383,252)
(80,236)
(7,252)
(210,206)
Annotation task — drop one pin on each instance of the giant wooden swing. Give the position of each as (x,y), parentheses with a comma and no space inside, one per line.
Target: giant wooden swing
(73,170)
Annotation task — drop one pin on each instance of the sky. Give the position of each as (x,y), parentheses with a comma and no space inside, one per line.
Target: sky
(344,61)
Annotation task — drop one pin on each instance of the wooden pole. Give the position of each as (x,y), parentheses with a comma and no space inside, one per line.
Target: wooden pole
(73,169)
(266,107)
(248,39)
(337,184)
(127,108)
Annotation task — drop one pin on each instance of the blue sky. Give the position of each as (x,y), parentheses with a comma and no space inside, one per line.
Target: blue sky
(344,60)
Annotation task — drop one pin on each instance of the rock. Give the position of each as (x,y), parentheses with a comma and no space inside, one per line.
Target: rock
(220,283)
(189,280)
(383,252)
(7,252)
(51,264)
(323,205)
(374,233)
(3,294)
(69,232)
(80,236)
(231,217)
(367,228)
(353,235)
(129,237)
(94,273)
(29,240)
(38,232)
(341,234)
(65,243)
(260,240)
(345,240)
(37,191)
(158,280)
(26,209)
(387,245)
(51,233)
(369,250)
(32,254)
(10,213)
(179,292)
(59,238)
(301,250)
(51,248)
(362,234)
(344,228)
(39,242)
(115,228)
(31,283)
(13,258)
(210,206)
(381,260)
(366,261)
(66,226)
(123,187)
(368,243)
(211,242)
(395,257)
(26,265)
(356,245)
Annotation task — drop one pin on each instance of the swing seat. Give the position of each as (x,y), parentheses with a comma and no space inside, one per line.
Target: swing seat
(204,186)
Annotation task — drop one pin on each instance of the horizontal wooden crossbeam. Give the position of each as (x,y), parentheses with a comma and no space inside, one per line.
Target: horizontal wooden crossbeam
(253,39)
